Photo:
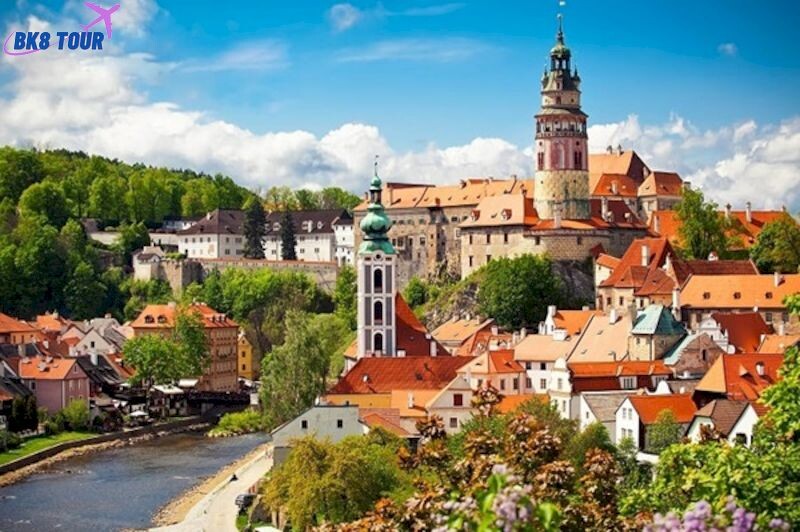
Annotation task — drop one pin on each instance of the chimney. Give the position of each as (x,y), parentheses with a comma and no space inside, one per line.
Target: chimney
(551,311)
(410,400)
(645,255)
(777,279)
(557,216)
(748,212)
(93,357)
(21,350)
(619,149)
(433,348)
(656,223)
(614,188)
(495,330)
(687,185)
(604,208)
(523,333)
(728,211)
(676,303)
(172,304)
(633,314)
(609,149)
(760,369)
(612,316)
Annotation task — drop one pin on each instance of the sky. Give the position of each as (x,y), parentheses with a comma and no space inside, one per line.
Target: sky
(306,93)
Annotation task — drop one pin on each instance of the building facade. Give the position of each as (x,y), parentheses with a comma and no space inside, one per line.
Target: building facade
(218,235)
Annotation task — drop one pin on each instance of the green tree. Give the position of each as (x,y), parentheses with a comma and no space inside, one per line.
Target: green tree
(77,185)
(107,199)
(516,292)
(416,292)
(132,237)
(31,413)
(76,415)
(594,436)
(40,269)
(84,294)
(255,228)
(307,200)
(344,295)
(296,372)
(777,247)
(157,360)
(47,200)
(337,198)
(149,198)
(288,238)
(190,337)
(280,199)
(19,169)
(702,228)
(664,432)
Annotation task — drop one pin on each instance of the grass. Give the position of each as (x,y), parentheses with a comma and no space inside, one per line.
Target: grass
(41,442)
(241,521)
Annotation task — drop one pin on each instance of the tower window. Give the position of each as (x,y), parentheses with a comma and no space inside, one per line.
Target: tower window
(540,160)
(377,342)
(377,281)
(378,311)
(558,99)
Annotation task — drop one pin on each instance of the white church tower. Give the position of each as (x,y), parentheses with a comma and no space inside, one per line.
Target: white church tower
(375,262)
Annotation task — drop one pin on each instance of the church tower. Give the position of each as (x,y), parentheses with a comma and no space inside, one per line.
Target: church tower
(376,280)
(562,166)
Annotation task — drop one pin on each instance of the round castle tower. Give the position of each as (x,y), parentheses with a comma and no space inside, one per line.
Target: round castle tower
(562,169)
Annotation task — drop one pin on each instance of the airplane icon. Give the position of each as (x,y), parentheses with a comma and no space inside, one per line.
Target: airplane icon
(105,16)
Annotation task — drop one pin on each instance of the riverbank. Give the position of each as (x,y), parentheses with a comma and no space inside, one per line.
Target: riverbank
(33,463)
(177,510)
(39,443)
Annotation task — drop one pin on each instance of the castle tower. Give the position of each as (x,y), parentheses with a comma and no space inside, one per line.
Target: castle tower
(562,166)
(376,280)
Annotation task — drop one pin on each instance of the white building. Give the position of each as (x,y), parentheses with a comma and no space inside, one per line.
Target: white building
(637,413)
(334,422)
(732,420)
(345,240)
(219,235)
(601,407)
(317,234)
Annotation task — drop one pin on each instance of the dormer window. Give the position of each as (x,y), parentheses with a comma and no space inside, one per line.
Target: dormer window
(475,215)
(505,214)
(737,295)
(149,319)
(706,295)
(162,319)
(768,295)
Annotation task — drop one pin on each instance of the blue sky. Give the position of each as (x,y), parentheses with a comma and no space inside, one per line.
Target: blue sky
(446,73)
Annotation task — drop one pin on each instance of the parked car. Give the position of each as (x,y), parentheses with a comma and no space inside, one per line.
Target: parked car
(244,500)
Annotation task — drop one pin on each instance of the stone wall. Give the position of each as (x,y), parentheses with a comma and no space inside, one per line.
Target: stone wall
(323,273)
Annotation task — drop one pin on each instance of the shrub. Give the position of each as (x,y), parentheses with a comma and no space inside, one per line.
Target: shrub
(235,423)
(76,415)
(9,440)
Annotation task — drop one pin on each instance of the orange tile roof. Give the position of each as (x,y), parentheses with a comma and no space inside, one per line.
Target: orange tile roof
(682,269)
(737,375)
(386,418)
(656,282)
(618,369)
(631,273)
(737,291)
(480,342)
(494,363)
(775,343)
(163,317)
(382,375)
(506,209)
(543,348)
(51,322)
(661,184)
(467,192)
(669,226)
(650,406)
(744,329)
(412,335)
(574,321)
(615,185)
(509,403)
(602,340)
(607,261)
(420,398)
(460,330)
(38,369)
(12,325)
(627,162)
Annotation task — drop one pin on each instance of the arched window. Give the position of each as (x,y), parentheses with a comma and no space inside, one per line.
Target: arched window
(377,342)
(377,281)
(378,311)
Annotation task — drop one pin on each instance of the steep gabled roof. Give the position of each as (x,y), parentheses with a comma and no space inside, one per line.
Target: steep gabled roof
(12,325)
(494,363)
(615,185)
(661,184)
(650,406)
(631,272)
(656,319)
(738,375)
(218,222)
(724,413)
(460,330)
(383,375)
(39,369)
(604,405)
(412,336)
(744,329)
(775,343)
(607,261)
(625,162)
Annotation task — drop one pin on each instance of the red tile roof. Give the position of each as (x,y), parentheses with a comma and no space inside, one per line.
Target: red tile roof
(657,282)
(738,291)
(650,406)
(607,261)
(163,317)
(668,225)
(412,335)
(618,369)
(12,325)
(744,329)
(631,273)
(615,185)
(386,418)
(737,375)
(382,375)
(510,403)
(625,162)
(661,184)
(57,369)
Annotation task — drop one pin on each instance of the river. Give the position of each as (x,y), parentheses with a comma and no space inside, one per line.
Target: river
(118,488)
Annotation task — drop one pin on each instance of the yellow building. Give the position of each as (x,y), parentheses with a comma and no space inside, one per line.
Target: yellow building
(248,366)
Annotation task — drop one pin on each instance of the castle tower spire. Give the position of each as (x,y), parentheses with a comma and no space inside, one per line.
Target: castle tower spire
(562,177)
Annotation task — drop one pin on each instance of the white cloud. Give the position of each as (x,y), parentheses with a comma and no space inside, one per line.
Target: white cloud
(261,55)
(728,48)
(441,50)
(430,11)
(344,16)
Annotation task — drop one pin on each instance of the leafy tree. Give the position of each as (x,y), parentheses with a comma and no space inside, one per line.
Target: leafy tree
(190,336)
(296,372)
(31,413)
(40,269)
(107,199)
(78,184)
(594,436)
(254,229)
(778,246)
(148,196)
(516,291)
(337,198)
(141,293)
(76,245)
(664,432)
(76,415)
(702,229)
(288,238)
(132,237)
(416,292)
(45,199)
(344,295)
(280,199)
(19,169)
(307,200)
(84,294)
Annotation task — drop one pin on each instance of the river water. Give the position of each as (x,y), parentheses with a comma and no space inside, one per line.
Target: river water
(118,488)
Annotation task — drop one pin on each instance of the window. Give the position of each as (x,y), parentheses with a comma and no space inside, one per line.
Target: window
(339,424)
(502,384)
(540,161)
(628,383)
(741,438)
(768,295)
(505,238)
(560,384)
(737,295)
(537,240)
(542,384)
(458,399)
(528,383)
(515,383)
(304,424)
(91,344)
(579,240)
(378,311)
(244,367)
(488,238)
(470,240)
(378,342)
(768,317)
(488,258)
(470,260)
(377,281)
(621,301)
(542,366)
(453,422)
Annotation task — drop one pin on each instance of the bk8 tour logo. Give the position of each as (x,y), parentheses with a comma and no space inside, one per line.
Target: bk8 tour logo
(24,43)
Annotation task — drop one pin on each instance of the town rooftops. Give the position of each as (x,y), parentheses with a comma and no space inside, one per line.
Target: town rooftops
(615,185)
(744,329)
(510,403)
(656,319)
(40,368)
(746,226)
(682,269)
(385,418)
(12,325)
(493,363)
(628,368)
(573,321)
(741,376)
(650,406)
(544,348)
(724,413)
(308,222)
(382,375)
(738,291)
(642,255)
(661,184)
(775,343)
(603,340)
(412,336)
(502,210)
(163,317)
(604,405)
(218,222)
(625,162)
(459,330)
(607,261)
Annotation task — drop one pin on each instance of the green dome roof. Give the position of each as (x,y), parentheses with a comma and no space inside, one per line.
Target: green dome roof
(376,221)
